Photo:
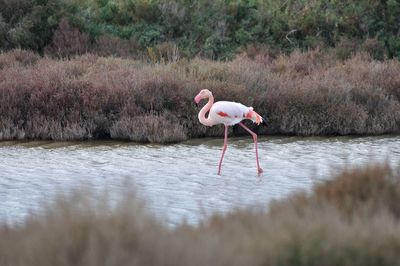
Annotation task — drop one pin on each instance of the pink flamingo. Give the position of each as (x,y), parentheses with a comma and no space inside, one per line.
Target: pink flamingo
(227,113)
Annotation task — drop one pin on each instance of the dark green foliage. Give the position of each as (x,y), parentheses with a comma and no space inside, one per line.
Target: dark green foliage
(215,29)
(28,24)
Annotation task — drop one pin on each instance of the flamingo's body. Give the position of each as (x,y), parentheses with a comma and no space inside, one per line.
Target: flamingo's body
(227,113)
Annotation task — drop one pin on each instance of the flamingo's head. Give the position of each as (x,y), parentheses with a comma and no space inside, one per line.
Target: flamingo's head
(203,94)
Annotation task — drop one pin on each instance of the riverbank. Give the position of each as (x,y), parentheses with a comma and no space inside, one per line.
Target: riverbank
(90,97)
(353,219)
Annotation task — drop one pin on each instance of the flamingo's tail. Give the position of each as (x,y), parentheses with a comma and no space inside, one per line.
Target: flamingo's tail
(252,115)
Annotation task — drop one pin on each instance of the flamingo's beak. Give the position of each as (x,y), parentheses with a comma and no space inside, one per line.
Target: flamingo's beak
(197,99)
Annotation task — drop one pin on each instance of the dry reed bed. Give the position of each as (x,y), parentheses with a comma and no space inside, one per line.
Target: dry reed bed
(351,220)
(91,97)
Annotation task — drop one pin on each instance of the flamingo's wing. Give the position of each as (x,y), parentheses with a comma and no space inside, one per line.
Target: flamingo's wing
(231,109)
(228,112)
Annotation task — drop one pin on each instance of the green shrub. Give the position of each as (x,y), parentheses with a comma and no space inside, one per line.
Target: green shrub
(215,29)
(28,24)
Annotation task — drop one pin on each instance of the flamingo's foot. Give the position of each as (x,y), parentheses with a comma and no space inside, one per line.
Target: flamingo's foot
(260,170)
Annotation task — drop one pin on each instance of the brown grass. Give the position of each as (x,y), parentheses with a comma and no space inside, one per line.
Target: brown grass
(18,57)
(68,41)
(353,219)
(90,97)
(149,128)
(108,45)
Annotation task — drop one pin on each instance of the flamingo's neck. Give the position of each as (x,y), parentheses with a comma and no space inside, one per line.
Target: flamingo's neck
(202,115)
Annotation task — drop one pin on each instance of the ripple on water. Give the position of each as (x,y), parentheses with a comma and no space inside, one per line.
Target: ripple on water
(179,181)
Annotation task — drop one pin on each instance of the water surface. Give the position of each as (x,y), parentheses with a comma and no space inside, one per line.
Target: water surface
(180,181)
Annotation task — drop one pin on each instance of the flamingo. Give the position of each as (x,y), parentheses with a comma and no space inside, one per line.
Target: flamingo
(229,114)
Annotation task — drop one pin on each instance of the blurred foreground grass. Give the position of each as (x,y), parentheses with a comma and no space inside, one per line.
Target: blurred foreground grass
(352,219)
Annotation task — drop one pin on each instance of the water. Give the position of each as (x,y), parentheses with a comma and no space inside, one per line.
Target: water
(179,182)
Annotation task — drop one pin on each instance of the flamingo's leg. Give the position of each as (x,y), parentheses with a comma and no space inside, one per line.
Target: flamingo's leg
(223,150)
(259,169)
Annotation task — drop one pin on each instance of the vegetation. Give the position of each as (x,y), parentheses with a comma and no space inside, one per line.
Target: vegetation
(92,97)
(350,220)
(214,29)
(128,69)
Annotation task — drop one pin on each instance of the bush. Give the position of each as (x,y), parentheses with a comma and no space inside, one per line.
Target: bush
(216,29)
(163,128)
(68,41)
(92,97)
(108,45)
(18,57)
(28,24)
(356,191)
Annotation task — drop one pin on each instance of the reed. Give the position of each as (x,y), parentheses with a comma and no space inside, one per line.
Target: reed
(91,97)
(353,219)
